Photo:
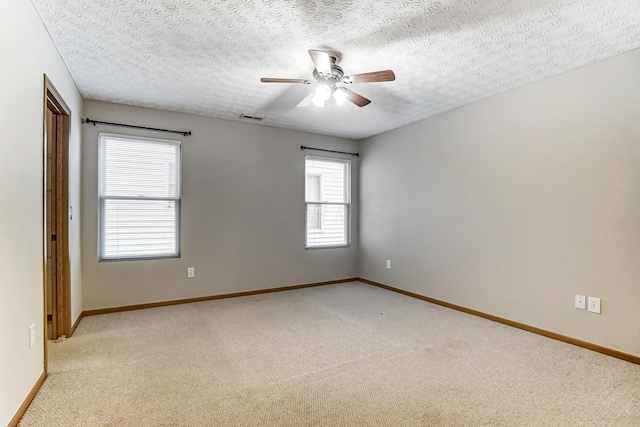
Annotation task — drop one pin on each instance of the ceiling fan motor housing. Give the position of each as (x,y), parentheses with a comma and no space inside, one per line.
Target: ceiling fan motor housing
(336,75)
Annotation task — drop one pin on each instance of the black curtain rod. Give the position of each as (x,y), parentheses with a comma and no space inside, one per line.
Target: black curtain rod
(302,147)
(98,122)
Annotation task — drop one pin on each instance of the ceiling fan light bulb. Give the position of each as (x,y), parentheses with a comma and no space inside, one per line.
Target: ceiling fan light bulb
(323,92)
(340,95)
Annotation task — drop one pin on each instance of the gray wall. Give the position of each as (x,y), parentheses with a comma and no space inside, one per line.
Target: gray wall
(514,204)
(26,54)
(242,212)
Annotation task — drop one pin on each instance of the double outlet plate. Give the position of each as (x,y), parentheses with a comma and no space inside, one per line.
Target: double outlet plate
(592,303)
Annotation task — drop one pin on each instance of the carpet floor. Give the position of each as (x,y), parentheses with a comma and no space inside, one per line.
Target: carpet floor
(339,355)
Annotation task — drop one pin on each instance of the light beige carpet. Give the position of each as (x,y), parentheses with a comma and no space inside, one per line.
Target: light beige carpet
(339,355)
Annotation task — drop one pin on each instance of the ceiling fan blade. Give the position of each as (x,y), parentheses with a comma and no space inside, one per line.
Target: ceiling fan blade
(322,61)
(373,77)
(307,100)
(270,80)
(357,99)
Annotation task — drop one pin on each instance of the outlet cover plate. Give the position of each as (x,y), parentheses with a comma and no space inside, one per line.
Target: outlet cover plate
(191,272)
(594,305)
(388,264)
(581,302)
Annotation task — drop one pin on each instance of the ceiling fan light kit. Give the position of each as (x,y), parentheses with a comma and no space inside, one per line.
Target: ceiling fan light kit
(322,94)
(340,95)
(328,75)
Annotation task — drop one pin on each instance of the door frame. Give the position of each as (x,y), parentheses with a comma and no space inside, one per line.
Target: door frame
(61,280)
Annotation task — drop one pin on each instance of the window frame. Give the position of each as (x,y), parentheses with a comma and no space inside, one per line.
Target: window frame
(101,199)
(346,204)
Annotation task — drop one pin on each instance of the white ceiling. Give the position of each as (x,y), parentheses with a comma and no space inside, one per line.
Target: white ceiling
(206,57)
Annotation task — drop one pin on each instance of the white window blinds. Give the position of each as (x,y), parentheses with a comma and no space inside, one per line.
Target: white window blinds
(139,197)
(327,200)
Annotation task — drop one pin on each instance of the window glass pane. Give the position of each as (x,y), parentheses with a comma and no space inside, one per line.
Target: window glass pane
(333,229)
(333,178)
(139,168)
(139,228)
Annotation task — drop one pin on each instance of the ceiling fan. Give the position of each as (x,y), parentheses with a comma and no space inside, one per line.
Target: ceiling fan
(328,75)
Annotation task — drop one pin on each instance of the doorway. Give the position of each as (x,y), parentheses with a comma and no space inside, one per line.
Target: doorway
(57,284)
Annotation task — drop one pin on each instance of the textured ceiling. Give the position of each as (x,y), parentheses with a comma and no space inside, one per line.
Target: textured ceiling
(207,56)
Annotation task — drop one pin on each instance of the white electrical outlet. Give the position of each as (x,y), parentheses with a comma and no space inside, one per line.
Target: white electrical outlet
(32,335)
(388,264)
(580,302)
(594,305)
(191,272)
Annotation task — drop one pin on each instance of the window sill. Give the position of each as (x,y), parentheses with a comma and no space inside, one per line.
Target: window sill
(327,247)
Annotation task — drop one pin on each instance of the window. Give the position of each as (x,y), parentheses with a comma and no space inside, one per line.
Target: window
(139,197)
(327,199)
